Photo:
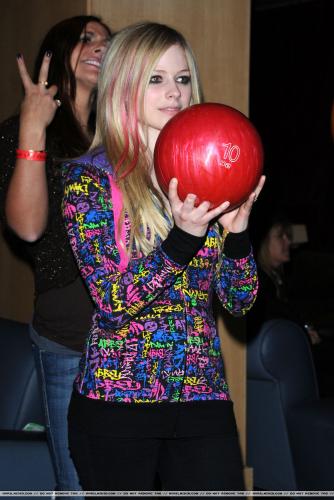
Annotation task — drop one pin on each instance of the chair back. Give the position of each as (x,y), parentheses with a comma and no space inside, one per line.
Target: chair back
(280,375)
(20,400)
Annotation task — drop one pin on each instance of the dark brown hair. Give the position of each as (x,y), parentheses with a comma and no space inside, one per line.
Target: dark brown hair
(65,131)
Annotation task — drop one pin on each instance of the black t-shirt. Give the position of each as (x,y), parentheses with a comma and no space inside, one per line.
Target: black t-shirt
(63,308)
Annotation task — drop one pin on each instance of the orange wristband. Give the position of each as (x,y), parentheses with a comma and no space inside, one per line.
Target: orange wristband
(30,154)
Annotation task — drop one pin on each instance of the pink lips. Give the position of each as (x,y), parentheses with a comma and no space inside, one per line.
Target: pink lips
(170,110)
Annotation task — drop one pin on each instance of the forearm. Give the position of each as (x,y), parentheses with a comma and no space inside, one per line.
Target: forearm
(236,280)
(27,196)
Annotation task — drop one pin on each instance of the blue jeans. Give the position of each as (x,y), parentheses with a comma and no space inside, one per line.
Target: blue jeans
(57,372)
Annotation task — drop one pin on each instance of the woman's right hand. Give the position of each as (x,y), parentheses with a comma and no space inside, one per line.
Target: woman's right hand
(27,197)
(191,219)
(38,106)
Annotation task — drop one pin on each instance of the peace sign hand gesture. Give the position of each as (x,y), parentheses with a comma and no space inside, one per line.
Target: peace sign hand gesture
(39,106)
(27,197)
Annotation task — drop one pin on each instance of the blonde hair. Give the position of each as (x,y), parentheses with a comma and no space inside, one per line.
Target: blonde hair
(125,75)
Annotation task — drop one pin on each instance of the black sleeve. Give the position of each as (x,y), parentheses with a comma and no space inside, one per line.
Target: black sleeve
(237,245)
(181,246)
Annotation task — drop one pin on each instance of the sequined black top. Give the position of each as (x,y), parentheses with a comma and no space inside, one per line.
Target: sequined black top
(51,256)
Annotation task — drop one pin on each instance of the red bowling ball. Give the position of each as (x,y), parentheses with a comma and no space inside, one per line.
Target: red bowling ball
(213,150)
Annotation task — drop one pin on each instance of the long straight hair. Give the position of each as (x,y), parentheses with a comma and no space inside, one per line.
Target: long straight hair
(125,74)
(61,40)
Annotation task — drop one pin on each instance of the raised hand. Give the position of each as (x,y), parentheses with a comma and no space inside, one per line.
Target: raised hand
(39,106)
(236,220)
(27,196)
(191,219)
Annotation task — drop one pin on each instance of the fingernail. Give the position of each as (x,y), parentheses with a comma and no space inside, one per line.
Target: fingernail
(18,55)
(48,53)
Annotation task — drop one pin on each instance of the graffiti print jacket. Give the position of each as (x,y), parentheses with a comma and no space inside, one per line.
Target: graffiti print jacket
(153,336)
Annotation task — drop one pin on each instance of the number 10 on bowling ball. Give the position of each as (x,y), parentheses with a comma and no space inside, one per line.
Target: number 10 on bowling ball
(213,150)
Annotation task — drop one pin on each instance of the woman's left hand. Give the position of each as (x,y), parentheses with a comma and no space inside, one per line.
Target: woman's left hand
(236,221)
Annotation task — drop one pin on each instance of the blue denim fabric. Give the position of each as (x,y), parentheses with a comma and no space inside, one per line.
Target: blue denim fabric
(57,372)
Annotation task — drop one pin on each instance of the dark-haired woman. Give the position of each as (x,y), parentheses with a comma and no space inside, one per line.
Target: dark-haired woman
(56,122)
(274,239)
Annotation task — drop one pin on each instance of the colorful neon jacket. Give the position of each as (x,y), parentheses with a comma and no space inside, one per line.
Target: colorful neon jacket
(153,335)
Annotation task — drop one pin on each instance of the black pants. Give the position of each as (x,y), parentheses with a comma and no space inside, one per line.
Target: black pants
(179,464)
(150,447)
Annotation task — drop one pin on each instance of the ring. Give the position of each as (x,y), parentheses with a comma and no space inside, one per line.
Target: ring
(58,102)
(44,82)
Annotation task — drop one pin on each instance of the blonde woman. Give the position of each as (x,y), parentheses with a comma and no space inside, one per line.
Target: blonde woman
(150,401)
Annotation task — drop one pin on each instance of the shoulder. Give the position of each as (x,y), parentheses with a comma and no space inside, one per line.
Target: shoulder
(88,175)
(92,160)
(93,164)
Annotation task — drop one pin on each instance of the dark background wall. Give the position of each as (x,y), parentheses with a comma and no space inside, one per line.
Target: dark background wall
(291,96)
